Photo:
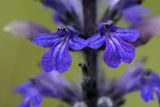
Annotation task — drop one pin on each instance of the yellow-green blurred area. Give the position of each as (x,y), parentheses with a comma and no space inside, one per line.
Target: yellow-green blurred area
(19,58)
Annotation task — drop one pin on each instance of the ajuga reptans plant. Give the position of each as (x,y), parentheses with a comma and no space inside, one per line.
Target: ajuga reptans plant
(81,28)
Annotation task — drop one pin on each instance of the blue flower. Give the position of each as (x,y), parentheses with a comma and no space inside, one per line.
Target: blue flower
(48,85)
(139,79)
(150,83)
(31,96)
(58,57)
(117,40)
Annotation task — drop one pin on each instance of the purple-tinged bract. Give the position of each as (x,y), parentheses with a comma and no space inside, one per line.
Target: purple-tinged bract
(58,57)
(118,43)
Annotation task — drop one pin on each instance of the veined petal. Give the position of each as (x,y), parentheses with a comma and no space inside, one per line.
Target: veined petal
(77,43)
(57,58)
(96,41)
(146,94)
(48,39)
(111,56)
(129,35)
(126,51)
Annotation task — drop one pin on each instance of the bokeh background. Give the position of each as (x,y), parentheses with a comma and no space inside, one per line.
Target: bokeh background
(19,58)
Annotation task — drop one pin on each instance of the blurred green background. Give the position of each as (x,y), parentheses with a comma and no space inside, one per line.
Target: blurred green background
(19,58)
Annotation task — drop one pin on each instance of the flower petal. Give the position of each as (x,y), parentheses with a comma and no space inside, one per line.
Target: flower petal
(48,39)
(126,51)
(25,102)
(77,43)
(31,95)
(36,101)
(129,35)
(57,58)
(146,94)
(111,56)
(96,41)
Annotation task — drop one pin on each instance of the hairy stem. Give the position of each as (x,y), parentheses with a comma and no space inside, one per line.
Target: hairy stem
(89,84)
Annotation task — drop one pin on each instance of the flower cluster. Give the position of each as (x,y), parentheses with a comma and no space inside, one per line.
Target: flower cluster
(117,40)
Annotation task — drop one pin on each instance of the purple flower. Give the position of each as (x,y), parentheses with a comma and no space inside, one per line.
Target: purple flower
(58,57)
(150,83)
(117,40)
(48,85)
(139,79)
(31,95)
